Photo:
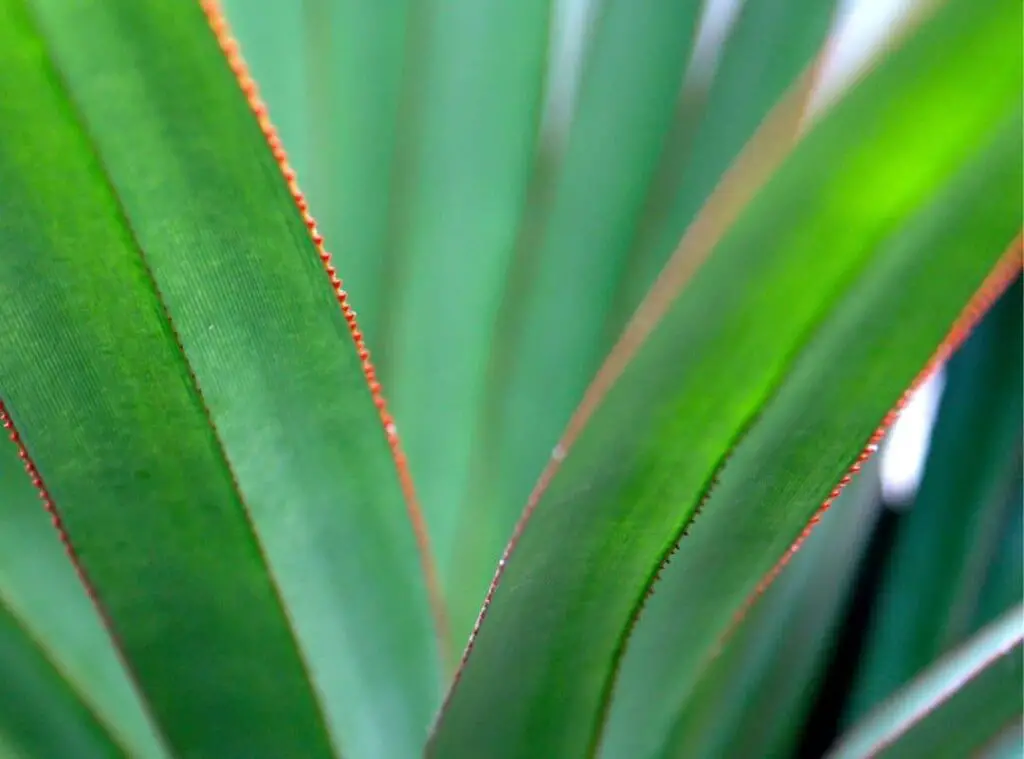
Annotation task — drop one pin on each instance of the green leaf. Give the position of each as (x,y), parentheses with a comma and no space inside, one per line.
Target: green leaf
(934,580)
(753,699)
(555,334)
(540,668)
(42,715)
(46,608)
(331,72)
(274,45)
(211,491)
(1006,745)
(770,43)
(955,707)
(474,91)
(1004,581)
(809,435)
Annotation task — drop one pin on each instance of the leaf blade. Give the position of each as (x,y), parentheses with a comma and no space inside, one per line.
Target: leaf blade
(935,572)
(532,644)
(42,715)
(46,607)
(473,86)
(986,670)
(769,44)
(591,188)
(222,245)
(754,697)
(807,438)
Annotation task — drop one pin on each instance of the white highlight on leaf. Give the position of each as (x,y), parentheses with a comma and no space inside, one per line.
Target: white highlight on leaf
(906,447)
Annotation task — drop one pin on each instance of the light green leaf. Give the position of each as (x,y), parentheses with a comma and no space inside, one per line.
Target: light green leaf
(932,585)
(752,700)
(473,94)
(540,669)
(46,608)
(331,72)
(211,491)
(565,279)
(953,708)
(770,43)
(274,38)
(42,716)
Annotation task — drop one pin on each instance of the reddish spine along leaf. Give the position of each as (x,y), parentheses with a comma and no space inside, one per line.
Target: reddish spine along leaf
(1001,277)
(44,496)
(218,23)
(995,284)
(58,524)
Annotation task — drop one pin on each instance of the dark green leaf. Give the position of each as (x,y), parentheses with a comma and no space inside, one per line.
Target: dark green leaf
(42,716)
(934,580)
(47,611)
(540,672)
(752,700)
(955,707)
(211,490)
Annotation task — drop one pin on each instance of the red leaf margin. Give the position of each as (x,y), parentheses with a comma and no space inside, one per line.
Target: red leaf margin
(232,52)
(1004,273)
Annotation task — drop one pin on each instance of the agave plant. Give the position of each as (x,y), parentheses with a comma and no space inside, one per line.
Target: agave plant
(644,306)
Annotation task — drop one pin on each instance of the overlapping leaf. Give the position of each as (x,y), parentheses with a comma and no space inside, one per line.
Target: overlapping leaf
(55,646)
(541,668)
(180,370)
(753,699)
(976,688)
(811,432)
(933,585)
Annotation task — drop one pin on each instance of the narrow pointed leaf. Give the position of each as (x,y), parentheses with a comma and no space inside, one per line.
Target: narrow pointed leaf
(331,72)
(828,409)
(471,114)
(955,707)
(753,699)
(42,715)
(206,486)
(41,593)
(622,114)
(935,578)
(770,43)
(540,669)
